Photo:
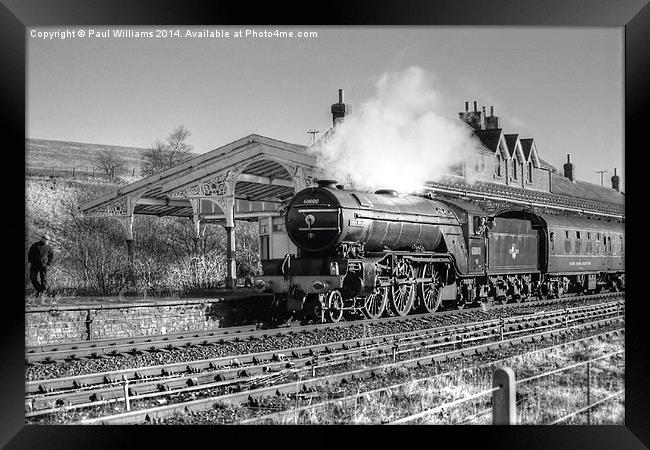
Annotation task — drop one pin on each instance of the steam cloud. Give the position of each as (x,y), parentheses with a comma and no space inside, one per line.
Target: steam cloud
(399,139)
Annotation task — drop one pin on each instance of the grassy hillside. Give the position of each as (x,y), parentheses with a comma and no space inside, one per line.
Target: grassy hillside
(46,154)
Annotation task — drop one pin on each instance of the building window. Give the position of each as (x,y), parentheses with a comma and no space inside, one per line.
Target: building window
(588,235)
(497,168)
(530,172)
(514,168)
(577,235)
(566,234)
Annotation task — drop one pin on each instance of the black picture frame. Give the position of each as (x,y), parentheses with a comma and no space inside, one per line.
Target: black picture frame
(634,15)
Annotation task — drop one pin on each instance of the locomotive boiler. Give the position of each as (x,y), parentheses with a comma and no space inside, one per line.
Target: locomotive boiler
(383,253)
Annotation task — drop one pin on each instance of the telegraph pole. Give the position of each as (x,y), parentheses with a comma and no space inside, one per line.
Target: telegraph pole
(313,136)
(601,172)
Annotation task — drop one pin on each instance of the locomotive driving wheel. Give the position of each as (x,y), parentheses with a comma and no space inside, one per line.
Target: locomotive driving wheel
(430,292)
(375,303)
(402,292)
(334,311)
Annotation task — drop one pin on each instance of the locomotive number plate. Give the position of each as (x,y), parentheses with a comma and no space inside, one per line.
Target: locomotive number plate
(476,250)
(357,223)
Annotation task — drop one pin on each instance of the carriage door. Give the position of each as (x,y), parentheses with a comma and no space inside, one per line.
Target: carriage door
(476,245)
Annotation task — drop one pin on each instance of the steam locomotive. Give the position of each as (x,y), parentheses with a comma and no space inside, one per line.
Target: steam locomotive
(385,253)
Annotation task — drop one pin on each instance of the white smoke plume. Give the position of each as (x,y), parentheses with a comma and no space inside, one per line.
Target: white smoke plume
(399,139)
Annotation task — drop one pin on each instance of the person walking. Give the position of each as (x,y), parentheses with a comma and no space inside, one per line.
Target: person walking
(40,257)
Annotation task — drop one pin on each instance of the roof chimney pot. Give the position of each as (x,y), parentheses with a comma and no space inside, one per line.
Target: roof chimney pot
(466,106)
(616,182)
(340,95)
(491,111)
(475,106)
(569,169)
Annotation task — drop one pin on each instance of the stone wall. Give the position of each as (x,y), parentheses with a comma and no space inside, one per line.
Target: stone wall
(54,326)
(45,325)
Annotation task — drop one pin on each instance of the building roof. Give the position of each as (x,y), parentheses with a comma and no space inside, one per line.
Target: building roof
(576,199)
(544,165)
(511,142)
(582,189)
(526,147)
(489,138)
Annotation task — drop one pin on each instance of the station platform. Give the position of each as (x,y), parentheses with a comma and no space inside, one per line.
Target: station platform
(50,302)
(55,319)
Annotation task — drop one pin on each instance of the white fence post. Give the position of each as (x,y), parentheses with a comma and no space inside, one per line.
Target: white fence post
(504,411)
(127,401)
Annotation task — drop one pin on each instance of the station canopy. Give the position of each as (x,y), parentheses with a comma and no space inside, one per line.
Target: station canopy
(243,180)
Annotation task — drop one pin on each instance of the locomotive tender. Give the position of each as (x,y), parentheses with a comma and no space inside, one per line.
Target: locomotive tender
(382,253)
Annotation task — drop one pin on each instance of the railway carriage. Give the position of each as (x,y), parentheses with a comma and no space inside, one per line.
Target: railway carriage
(384,253)
(584,254)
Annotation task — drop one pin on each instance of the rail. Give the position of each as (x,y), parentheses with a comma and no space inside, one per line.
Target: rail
(277,417)
(303,384)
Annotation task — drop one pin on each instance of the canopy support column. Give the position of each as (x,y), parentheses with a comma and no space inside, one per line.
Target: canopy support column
(231,254)
(196,221)
(126,219)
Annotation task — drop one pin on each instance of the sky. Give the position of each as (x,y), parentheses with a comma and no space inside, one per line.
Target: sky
(561,86)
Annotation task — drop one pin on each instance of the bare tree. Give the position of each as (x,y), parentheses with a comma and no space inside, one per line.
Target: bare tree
(110,163)
(163,155)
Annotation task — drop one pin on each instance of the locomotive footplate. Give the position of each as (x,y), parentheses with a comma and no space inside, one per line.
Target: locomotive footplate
(307,284)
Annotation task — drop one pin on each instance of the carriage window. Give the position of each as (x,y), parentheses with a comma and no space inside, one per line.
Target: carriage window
(552,238)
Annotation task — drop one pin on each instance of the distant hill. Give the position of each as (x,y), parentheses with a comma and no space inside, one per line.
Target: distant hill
(46,154)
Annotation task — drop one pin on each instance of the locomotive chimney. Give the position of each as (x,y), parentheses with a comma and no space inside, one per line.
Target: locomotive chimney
(616,182)
(569,169)
(491,121)
(340,109)
(331,184)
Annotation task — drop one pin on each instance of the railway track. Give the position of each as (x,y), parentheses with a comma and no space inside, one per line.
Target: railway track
(295,415)
(248,373)
(134,345)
